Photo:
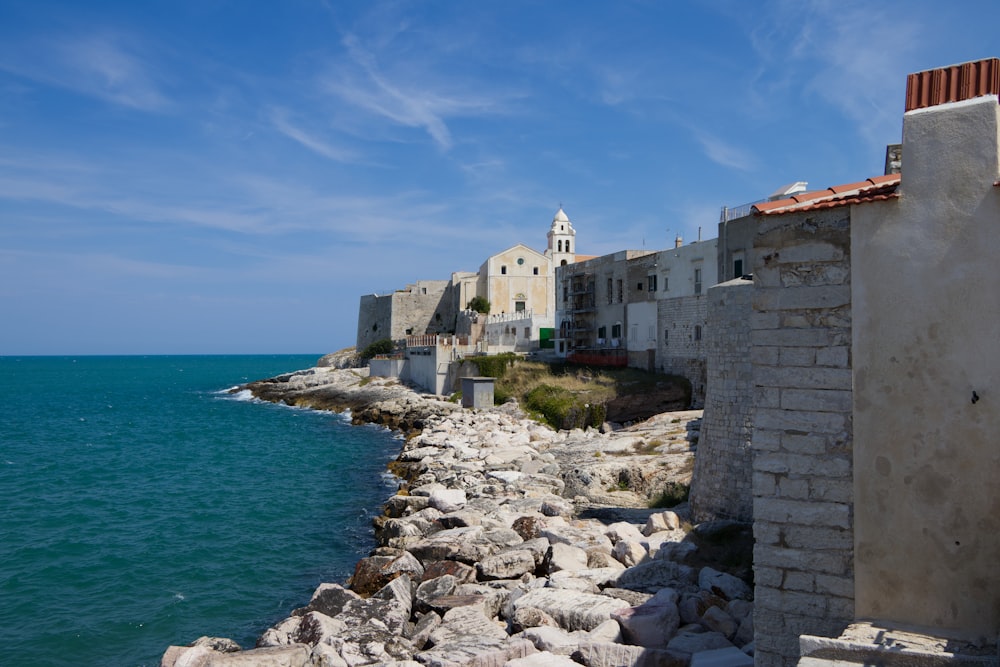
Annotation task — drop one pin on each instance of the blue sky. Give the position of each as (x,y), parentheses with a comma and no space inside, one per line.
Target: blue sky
(214,176)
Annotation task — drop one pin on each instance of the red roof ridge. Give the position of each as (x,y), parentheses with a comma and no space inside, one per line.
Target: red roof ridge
(876,188)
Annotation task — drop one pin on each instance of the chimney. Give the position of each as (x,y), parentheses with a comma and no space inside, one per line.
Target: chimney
(893,159)
(953,83)
(678,242)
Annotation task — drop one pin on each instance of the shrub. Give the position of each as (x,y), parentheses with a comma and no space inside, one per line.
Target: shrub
(480,304)
(673,494)
(383,346)
(564,409)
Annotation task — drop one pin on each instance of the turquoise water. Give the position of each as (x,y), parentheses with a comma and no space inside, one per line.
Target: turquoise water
(141,505)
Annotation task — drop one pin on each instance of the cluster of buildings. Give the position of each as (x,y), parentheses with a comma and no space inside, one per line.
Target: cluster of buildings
(850,410)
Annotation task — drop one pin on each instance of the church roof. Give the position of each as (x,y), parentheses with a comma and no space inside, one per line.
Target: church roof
(560,216)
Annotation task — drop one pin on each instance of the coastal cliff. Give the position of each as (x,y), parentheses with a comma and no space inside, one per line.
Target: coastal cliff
(509,543)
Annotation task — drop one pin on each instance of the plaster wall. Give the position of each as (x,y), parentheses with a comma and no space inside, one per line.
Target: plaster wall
(505,282)
(926,409)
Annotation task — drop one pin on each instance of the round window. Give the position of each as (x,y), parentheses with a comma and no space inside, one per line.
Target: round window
(520,261)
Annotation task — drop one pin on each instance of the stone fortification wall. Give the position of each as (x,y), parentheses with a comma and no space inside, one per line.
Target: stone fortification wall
(374,319)
(721,486)
(802,441)
(426,307)
(681,341)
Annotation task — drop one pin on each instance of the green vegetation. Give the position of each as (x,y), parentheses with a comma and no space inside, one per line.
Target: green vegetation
(383,346)
(672,495)
(480,304)
(563,408)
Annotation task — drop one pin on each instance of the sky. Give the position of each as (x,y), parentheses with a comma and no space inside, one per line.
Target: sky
(230,176)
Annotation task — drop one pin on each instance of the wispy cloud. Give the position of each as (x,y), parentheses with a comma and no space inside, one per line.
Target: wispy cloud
(408,98)
(103,65)
(851,55)
(279,118)
(726,154)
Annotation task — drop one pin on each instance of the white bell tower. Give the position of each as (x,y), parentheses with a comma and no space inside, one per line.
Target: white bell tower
(562,240)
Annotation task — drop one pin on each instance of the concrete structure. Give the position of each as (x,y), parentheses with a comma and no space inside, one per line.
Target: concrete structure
(477,392)
(926,415)
(875,465)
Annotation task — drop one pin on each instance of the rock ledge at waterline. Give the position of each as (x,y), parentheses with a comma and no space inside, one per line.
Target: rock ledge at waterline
(512,544)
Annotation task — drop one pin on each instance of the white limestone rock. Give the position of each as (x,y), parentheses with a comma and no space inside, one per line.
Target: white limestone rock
(623,530)
(506,565)
(717,620)
(662,521)
(561,556)
(653,623)
(571,610)
(690,643)
(629,553)
(726,585)
(543,659)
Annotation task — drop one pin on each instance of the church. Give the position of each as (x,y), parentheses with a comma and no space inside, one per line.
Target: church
(518,282)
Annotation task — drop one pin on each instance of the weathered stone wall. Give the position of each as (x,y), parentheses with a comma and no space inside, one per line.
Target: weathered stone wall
(374,319)
(426,307)
(681,341)
(721,485)
(802,440)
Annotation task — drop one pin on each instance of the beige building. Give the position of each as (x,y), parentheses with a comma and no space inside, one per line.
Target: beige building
(519,283)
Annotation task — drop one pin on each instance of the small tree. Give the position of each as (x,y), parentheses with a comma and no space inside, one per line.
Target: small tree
(480,304)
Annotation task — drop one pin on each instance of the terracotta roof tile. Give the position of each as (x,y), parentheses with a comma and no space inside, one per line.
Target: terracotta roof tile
(876,188)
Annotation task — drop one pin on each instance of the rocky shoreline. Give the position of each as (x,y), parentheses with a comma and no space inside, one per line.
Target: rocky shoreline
(510,543)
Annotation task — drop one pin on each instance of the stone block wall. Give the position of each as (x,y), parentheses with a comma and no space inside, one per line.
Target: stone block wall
(424,308)
(721,485)
(802,442)
(681,337)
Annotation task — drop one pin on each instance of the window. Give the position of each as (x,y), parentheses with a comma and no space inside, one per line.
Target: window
(567,246)
(666,283)
(697,332)
(638,286)
(535,270)
(666,336)
(565,293)
(697,281)
(518,306)
(620,291)
(562,263)
(520,261)
(611,294)
(602,333)
(651,282)
(527,332)
(738,268)
(559,245)
(503,270)
(616,331)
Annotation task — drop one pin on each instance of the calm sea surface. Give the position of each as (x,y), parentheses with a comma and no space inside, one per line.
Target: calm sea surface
(141,505)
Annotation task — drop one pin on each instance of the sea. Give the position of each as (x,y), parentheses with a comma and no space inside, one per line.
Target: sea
(143,504)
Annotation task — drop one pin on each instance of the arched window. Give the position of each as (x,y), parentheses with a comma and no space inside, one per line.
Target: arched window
(567,246)
(560,245)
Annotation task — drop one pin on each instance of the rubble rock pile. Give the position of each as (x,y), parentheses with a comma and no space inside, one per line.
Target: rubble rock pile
(483,559)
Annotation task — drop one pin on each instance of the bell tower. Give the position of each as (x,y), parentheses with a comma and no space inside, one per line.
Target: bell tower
(562,240)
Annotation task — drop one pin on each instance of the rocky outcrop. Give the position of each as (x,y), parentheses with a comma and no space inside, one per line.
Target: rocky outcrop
(500,548)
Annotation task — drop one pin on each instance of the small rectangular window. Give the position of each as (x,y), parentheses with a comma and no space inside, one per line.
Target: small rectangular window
(611,294)
(697,281)
(737,268)
(519,306)
(651,281)
(503,270)
(666,336)
(697,332)
(620,291)
(616,331)
(602,333)
(535,270)
(527,332)
(638,286)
